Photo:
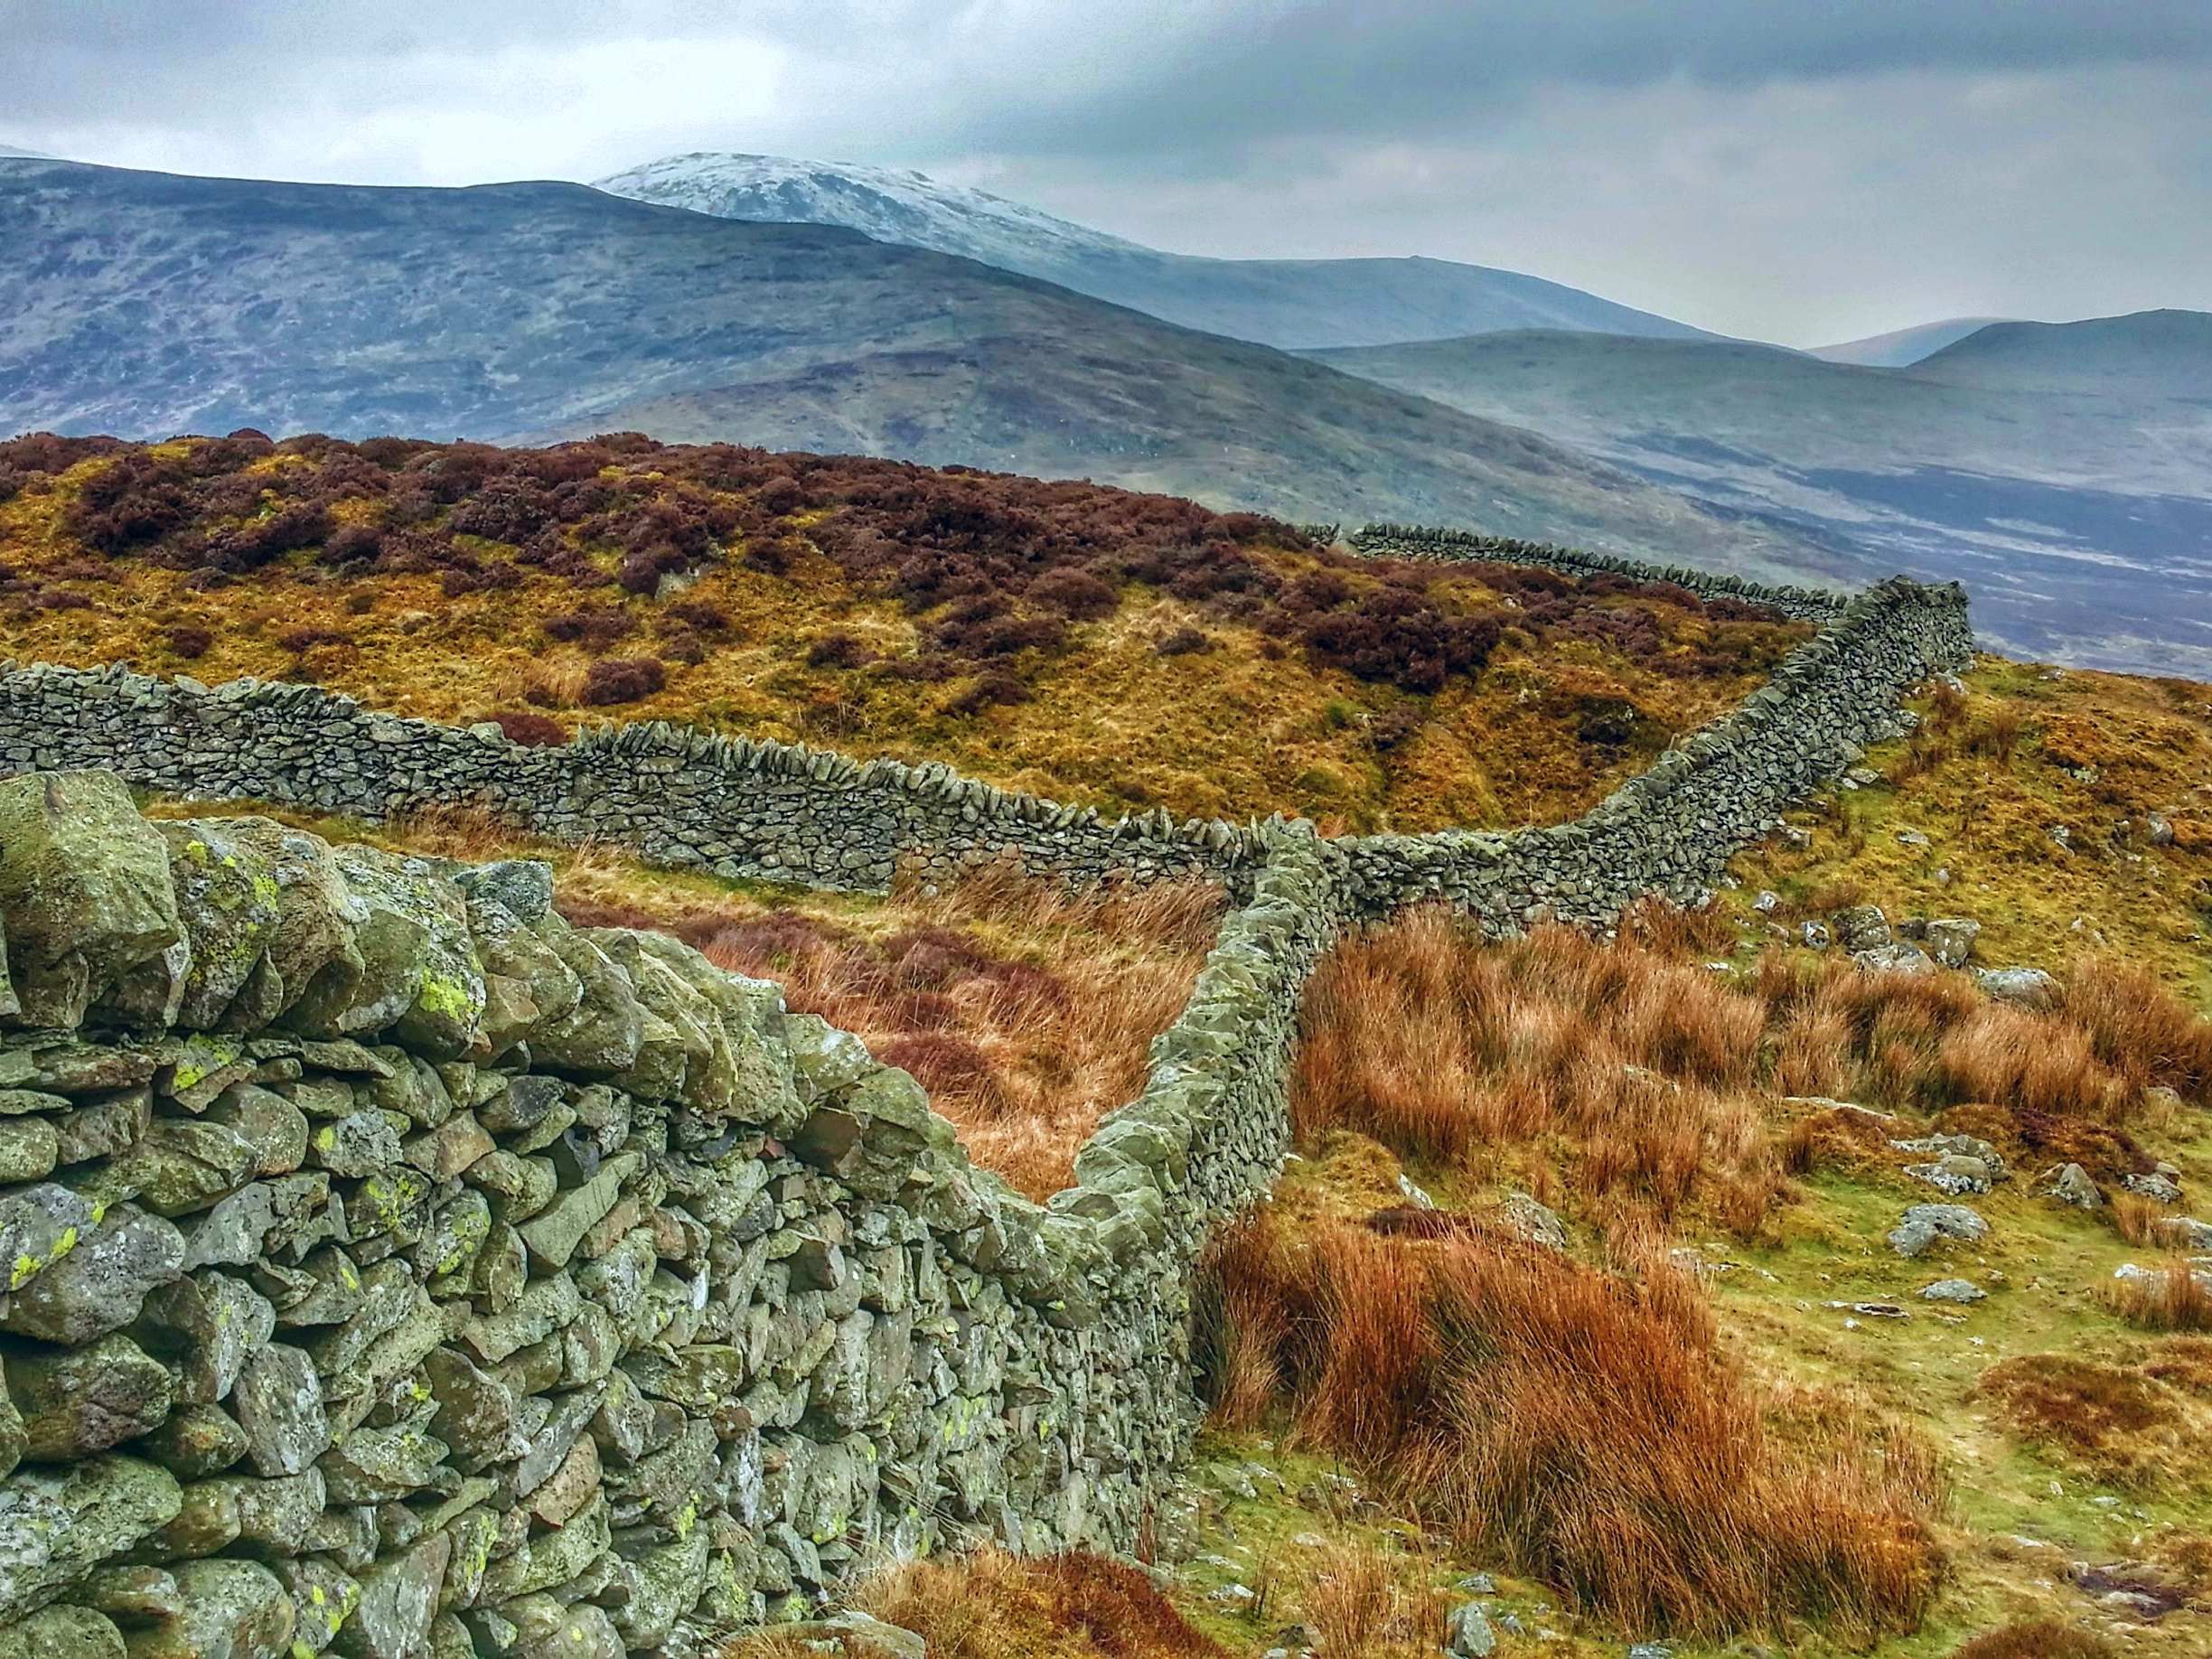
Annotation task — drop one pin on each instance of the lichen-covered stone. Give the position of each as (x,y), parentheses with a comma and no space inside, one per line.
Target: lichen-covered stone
(57,1523)
(76,1402)
(99,1285)
(66,1633)
(85,895)
(227,1610)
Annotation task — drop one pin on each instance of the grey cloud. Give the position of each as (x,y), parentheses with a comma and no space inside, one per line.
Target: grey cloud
(1784,167)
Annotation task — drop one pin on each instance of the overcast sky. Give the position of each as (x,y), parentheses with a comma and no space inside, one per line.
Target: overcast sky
(1793,170)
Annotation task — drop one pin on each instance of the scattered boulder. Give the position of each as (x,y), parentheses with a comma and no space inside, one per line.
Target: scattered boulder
(1861,927)
(1815,935)
(858,1635)
(1536,1223)
(1469,1634)
(2184,1232)
(1963,1162)
(2023,987)
(1920,1226)
(1950,940)
(1899,957)
(1961,1291)
(2070,1184)
(2157,1186)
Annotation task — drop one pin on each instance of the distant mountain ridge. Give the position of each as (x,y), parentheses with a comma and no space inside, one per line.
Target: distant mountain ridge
(2162,353)
(1290,303)
(145,304)
(1902,347)
(2080,515)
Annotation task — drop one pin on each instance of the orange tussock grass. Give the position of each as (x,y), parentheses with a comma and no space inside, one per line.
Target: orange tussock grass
(993,1606)
(2174,1299)
(1648,1065)
(2043,1638)
(1418,1035)
(1356,1603)
(1583,1426)
(1024,1042)
(2120,1422)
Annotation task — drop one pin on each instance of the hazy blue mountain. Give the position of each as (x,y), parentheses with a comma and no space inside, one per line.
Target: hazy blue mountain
(2146,353)
(144,304)
(2081,519)
(1902,347)
(9,150)
(1277,302)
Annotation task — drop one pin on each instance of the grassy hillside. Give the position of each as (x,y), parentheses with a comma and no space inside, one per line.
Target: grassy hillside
(2068,812)
(1079,642)
(1699,1395)
(2079,513)
(145,305)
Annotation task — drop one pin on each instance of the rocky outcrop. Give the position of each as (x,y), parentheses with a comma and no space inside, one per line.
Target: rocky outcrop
(402,1269)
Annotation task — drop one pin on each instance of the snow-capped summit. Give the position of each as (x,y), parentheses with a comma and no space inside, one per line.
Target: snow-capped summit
(890,204)
(1290,303)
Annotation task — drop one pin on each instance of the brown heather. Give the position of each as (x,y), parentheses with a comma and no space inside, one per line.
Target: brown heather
(1072,640)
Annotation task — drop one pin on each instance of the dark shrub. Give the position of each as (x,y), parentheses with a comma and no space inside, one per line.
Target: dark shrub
(703,614)
(994,689)
(189,640)
(299,640)
(839,650)
(1183,642)
(597,628)
(131,501)
(350,545)
(532,729)
(1074,592)
(622,679)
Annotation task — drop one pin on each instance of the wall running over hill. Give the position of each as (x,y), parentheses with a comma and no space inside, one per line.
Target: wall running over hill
(397,1269)
(1673,829)
(1425,541)
(683,798)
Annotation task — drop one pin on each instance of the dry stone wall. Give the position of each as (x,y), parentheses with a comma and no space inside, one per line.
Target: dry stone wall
(395,1269)
(1427,541)
(1671,829)
(681,797)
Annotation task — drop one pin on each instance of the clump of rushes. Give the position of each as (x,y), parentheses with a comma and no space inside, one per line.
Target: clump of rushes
(1580,1426)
